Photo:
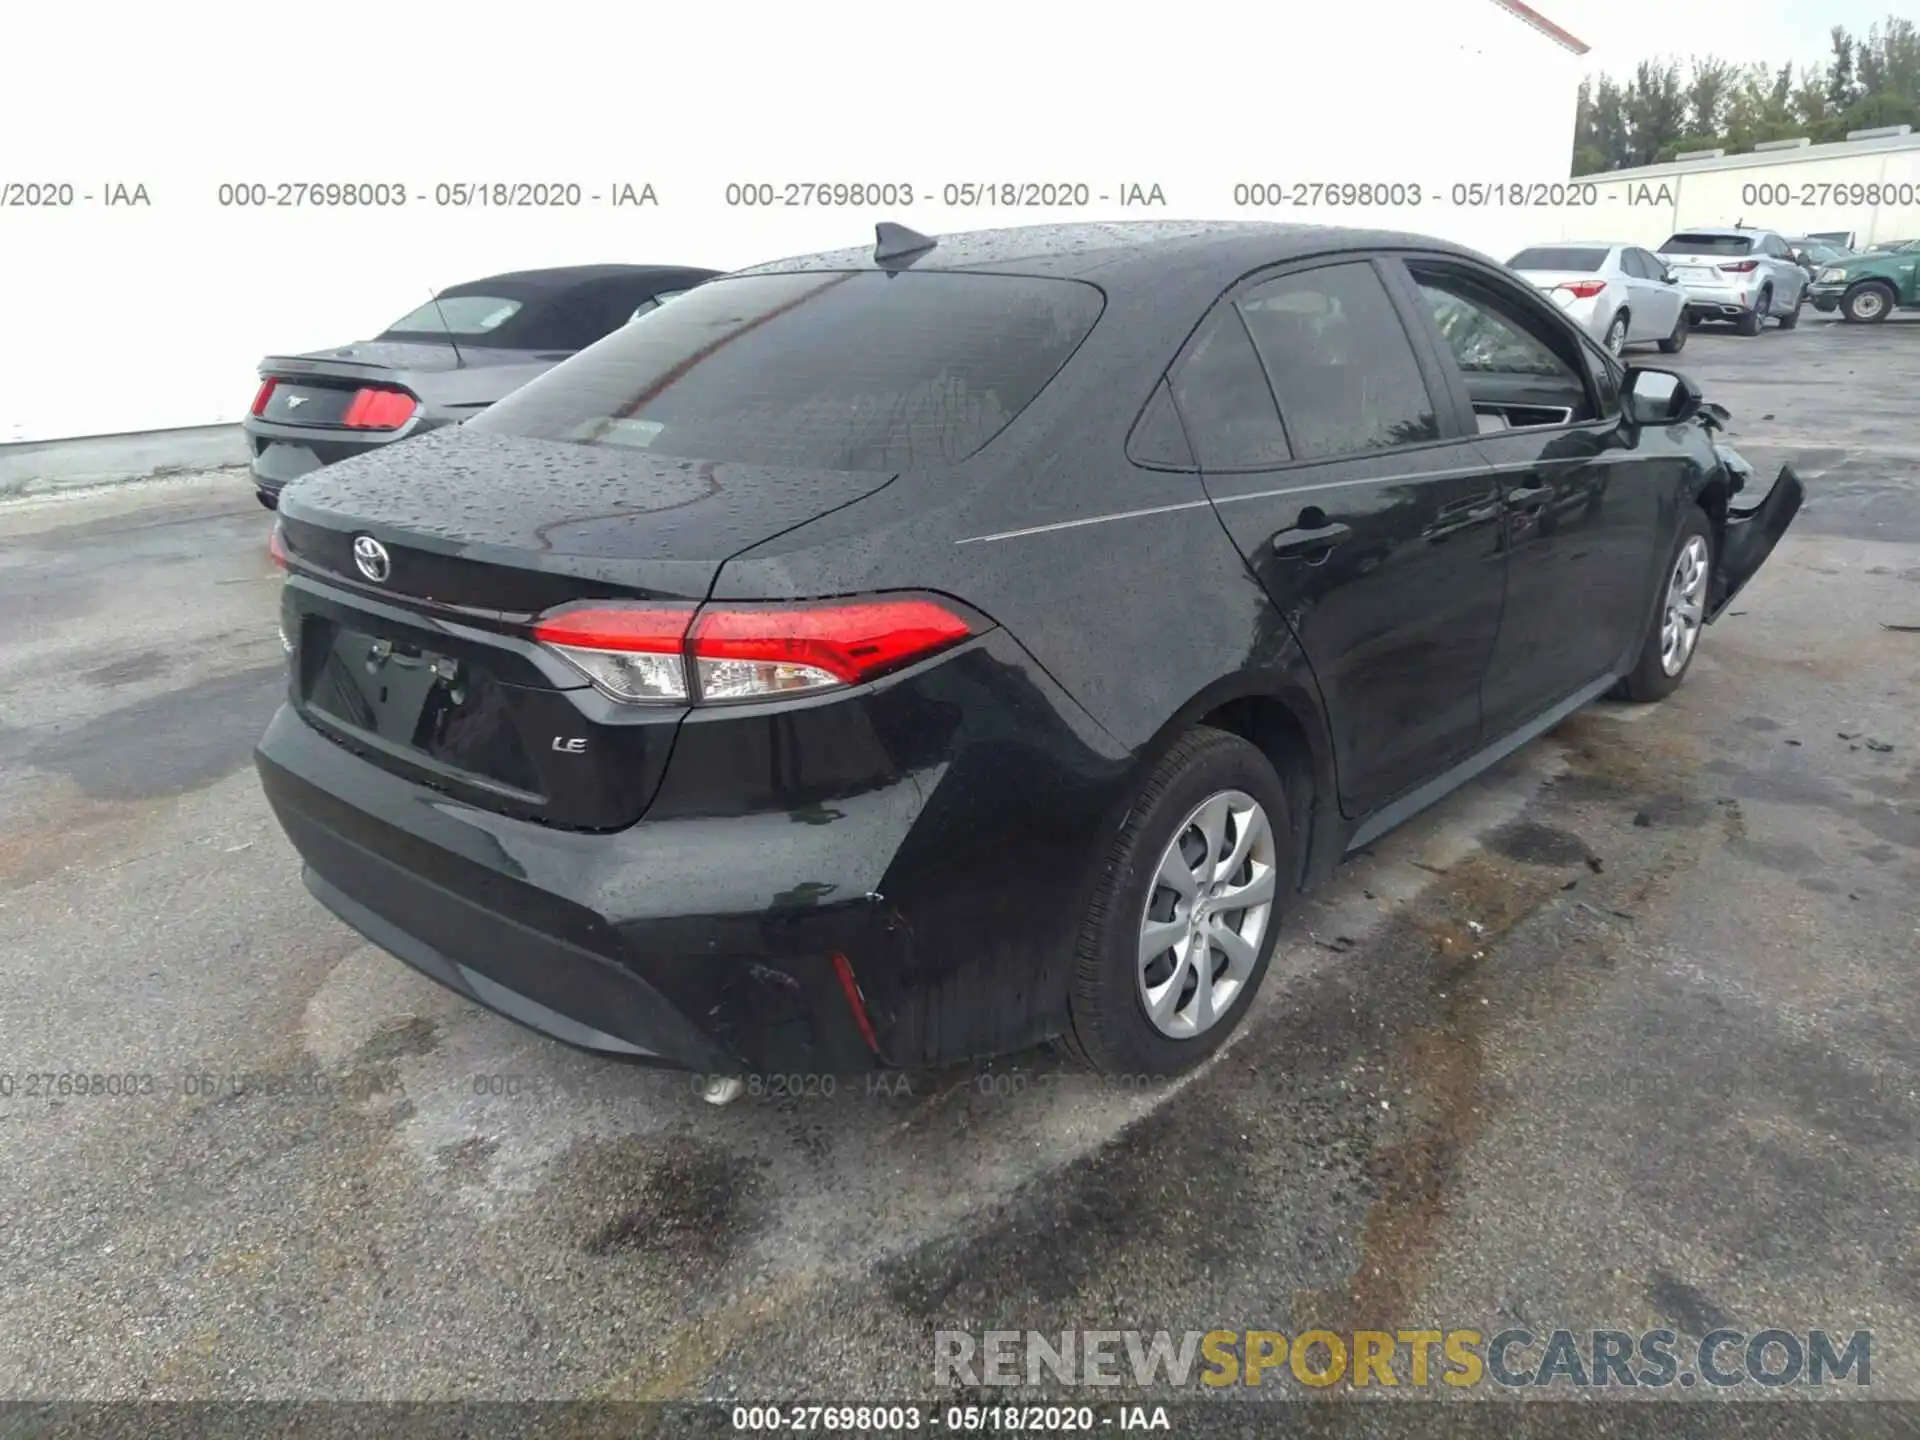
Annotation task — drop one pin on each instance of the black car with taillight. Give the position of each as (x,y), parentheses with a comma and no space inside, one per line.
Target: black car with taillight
(887,657)
(444,361)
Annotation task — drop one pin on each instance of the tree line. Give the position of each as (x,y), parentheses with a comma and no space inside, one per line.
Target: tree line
(1865,83)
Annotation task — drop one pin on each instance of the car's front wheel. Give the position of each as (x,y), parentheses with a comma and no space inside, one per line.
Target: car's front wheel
(1673,637)
(1183,921)
(1867,304)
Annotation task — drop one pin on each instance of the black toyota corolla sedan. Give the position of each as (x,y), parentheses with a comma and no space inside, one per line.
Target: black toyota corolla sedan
(881,658)
(442,362)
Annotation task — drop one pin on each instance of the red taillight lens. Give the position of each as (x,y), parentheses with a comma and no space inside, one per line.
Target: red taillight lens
(377,409)
(1583,289)
(266,394)
(644,653)
(1741,267)
(277,547)
(746,654)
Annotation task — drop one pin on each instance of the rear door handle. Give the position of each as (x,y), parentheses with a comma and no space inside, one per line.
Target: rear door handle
(1529,498)
(1303,541)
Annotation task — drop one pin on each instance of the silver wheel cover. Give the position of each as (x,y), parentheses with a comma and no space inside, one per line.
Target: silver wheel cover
(1206,915)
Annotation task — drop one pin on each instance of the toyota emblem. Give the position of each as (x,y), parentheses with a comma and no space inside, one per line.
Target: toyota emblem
(371,557)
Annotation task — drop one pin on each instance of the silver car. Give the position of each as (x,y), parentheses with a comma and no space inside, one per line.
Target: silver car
(1620,294)
(1738,274)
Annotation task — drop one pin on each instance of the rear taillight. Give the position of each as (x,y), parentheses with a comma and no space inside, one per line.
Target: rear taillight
(373,408)
(1741,267)
(635,654)
(1583,289)
(728,653)
(277,547)
(266,394)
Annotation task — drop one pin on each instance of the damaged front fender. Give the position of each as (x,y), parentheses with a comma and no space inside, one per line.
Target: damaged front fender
(1749,538)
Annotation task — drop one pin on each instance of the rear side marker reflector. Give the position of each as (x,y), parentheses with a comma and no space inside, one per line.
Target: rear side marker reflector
(277,547)
(727,653)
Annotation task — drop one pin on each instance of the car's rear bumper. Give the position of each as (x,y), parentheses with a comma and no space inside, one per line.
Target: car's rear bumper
(909,919)
(280,454)
(1718,302)
(666,943)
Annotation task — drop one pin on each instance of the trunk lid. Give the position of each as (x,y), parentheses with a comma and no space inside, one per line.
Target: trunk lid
(421,661)
(1548,282)
(317,388)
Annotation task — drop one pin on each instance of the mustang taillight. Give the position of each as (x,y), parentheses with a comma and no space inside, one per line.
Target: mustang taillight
(721,653)
(265,394)
(376,408)
(277,547)
(1741,267)
(1583,289)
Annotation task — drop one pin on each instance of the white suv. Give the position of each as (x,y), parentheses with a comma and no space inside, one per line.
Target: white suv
(1737,274)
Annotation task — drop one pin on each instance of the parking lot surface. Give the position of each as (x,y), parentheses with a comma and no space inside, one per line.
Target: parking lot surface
(1625,1035)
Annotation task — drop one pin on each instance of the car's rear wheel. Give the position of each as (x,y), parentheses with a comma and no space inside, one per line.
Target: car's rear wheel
(1867,304)
(1792,317)
(1677,341)
(1673,637)
(1750,321)
(1617,334)
(1182,925)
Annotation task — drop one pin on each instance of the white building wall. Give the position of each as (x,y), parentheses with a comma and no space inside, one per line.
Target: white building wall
(129,319)
(1871,187)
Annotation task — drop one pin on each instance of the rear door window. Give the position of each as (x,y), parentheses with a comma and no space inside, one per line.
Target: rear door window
(856,370)
(1225,400)
(1342,367)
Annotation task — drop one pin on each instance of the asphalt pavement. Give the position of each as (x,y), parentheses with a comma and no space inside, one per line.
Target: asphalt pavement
(1624,1035)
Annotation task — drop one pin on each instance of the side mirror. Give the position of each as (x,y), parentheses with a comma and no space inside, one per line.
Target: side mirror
(1659,397)
(1669,277)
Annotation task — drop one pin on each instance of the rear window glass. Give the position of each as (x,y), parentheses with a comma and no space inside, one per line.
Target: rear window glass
(1558,258)
(823,370)
(1708,245)
(462,314)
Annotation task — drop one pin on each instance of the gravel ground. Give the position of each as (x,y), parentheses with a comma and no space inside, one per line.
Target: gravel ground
(1622,1036)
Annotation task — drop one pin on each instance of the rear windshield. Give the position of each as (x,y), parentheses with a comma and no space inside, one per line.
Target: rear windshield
(1708,245)
(464,315)
(1548,257)
(822,370)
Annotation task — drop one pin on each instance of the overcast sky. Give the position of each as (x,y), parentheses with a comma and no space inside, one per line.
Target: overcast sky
(1623,32)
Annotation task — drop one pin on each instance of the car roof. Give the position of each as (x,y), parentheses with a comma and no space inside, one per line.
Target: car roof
(1730,231)
(1124,250)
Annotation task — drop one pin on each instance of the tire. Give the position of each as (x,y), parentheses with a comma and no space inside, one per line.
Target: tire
(1792,317)
(1616,336)
(1651,678)
(1750,321)
(1867,304)
(1677,341)
(1110,1026)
